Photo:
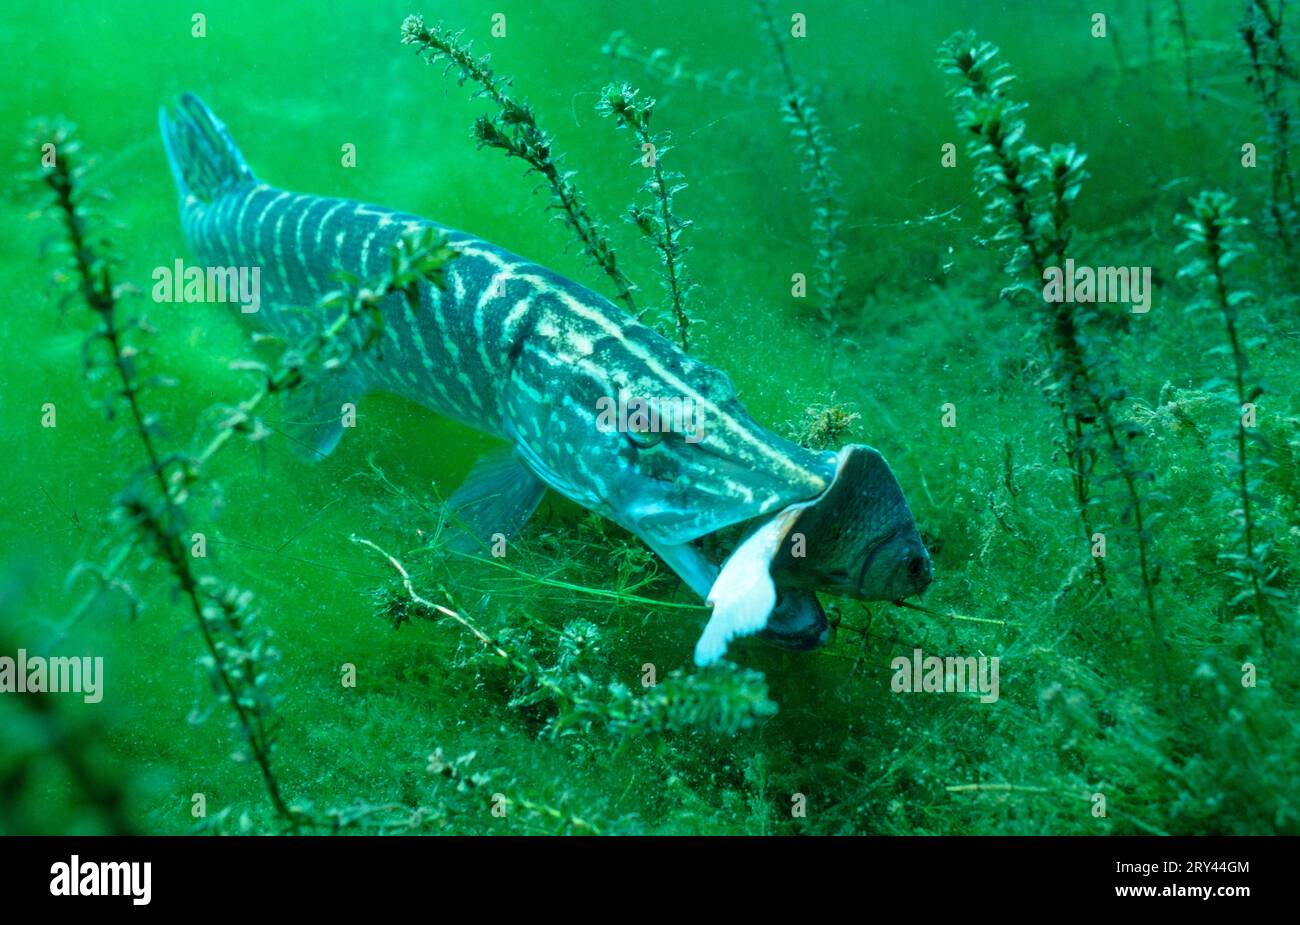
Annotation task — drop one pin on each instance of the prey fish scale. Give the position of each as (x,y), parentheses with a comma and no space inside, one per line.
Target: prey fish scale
(519,352)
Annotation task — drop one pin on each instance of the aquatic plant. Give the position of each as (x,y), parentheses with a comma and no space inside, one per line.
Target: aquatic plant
(1028,194)
(564,687)
(513,128)
(1178,19)
(824,426)
(1262,30)
(464,794)
(240,656)
(821,183)
(560,678)
(661,227)
(38,733)
(1211,231)
(662,65)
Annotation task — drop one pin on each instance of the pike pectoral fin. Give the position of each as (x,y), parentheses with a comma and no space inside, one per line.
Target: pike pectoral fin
(497,497)
(688,562)
(744,595)
(314,412)
(538,468)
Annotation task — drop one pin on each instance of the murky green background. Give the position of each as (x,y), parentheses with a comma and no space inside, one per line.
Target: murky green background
(1080,712)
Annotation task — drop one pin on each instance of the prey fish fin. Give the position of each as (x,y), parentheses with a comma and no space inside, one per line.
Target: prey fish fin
(797,620)
(313,412)
(498,496)
(744,595)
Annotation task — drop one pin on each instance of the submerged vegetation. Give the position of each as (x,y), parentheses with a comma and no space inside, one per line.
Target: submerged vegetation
(513,129)
(820,181)
(1275,78)
(382,681)
(240,656)
(1028,194)
(1212,241)
(656,221)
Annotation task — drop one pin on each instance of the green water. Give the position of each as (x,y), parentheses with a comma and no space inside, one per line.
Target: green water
(1093,699)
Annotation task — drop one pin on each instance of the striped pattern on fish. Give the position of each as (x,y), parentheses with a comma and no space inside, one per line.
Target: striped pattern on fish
(512,349)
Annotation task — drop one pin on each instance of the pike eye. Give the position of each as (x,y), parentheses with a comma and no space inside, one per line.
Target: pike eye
(644,439)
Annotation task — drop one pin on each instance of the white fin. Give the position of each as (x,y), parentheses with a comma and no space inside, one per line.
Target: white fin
(743,596)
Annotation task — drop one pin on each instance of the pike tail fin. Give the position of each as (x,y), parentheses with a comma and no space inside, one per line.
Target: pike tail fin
(204,159)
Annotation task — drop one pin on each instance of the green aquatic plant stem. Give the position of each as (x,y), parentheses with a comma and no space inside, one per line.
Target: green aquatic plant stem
(1035,191)
(661,227)
(1064,166)
(238,656)
(520,662)
(996,787)
(1008,186)
(1211,232)
(822,183)
(101,296)
(621,597)
(952,615)
(1065,175)
(514,129)
(722,699)
(672,71)
(1262,31)
(439,609)
(419,258)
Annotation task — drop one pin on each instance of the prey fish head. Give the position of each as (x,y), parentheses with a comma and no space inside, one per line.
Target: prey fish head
(858,539)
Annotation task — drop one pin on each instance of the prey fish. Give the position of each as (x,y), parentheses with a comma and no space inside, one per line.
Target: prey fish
(521,353)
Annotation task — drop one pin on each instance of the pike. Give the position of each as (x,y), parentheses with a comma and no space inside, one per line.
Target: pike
(528,356)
